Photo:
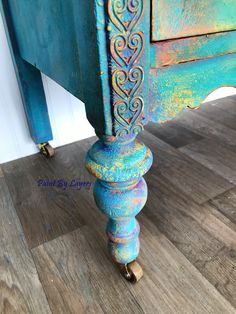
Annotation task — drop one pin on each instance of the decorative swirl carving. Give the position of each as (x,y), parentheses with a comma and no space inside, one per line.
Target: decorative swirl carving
(136,105)
(120,108)
(126,48)
(127,112)
(125,14)
(127,84)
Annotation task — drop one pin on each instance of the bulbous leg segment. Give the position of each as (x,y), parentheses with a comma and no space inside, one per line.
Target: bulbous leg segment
(121,202)
(123,246)
(120,193)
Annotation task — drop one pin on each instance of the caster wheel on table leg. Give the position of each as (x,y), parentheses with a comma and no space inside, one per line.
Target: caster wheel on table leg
(132,272)
(46,149)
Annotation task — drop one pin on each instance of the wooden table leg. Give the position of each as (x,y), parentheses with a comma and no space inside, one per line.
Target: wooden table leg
(31,89)
(120,192)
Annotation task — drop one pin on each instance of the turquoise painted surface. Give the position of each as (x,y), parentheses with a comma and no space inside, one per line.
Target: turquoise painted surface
(121,205)
(112,163)
(178,18)
(60,39)
(120,192)
(30,85)
(186,49)
(69,41)
(46,37)
(174,88)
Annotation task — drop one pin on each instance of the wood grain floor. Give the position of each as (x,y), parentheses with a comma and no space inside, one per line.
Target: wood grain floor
(53,256)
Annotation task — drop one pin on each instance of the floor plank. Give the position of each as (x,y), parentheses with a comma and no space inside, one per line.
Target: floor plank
(75,270)
(194,230)
(76,273)
(214,156)
(227,103)
(47,212)
(183,284)
(219,115)
(173,133)
(226,204)
(206,127)
(194,179)
(1,173)
(20,288)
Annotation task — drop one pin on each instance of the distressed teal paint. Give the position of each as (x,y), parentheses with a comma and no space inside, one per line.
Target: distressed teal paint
(69,42)
(190,49)
(31,87)
(46,36)
(121,204)
(178,18)
(174,88)
(116,163)
(120,191)
(60,38)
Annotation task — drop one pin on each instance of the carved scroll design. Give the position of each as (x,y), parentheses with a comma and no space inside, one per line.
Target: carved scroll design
(126,49)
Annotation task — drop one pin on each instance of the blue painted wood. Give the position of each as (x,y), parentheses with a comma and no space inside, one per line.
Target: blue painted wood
(46,37)
(174,88)
(77,43)
(61,38)
(178,18)
(31,87)
(120,191)
(78,54)
(175,51)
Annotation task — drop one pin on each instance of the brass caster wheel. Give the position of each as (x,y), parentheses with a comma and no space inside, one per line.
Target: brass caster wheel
(132,272)
(46,149)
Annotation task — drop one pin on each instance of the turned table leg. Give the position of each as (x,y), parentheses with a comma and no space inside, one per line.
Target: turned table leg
(120,192)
